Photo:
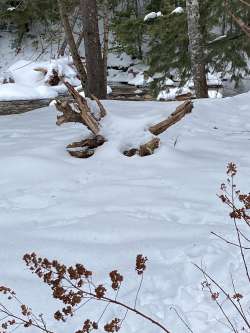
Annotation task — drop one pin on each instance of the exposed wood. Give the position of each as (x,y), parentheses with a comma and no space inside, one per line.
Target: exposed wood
(82,153)
(85,112)
(103,111)
(130,152)
(176,116)
(183,97)
(91,143)
(149,147)
(89,146)
(54,79)
(146,149)
(68,114)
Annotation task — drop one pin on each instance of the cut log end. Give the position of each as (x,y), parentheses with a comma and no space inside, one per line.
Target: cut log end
(146,149)
(149,147)
(88,146)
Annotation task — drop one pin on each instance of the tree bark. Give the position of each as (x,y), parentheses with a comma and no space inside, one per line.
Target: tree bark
(93,52)
(72,45)
(105,46)
(196,49)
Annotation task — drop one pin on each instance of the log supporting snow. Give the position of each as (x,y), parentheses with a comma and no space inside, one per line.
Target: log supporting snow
(79,111)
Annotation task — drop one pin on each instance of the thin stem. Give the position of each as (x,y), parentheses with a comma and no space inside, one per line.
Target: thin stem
(181,318)
(129,308)
(206,275)
(228,242)
(138,290)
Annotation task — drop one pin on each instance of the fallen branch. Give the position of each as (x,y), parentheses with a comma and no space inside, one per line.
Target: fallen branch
(176,116)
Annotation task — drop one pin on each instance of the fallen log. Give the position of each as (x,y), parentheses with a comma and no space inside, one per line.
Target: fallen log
(176,116)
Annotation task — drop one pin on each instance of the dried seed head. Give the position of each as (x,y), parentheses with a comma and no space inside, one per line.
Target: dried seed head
(116,279)
(113,326)
(231,169)
(140,264)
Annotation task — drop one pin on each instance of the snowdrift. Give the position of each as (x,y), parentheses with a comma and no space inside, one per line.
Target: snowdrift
(105,210)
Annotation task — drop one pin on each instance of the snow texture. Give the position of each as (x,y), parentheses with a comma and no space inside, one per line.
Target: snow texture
(105,210)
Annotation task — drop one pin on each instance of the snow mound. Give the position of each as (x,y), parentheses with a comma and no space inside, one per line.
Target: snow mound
(31,79)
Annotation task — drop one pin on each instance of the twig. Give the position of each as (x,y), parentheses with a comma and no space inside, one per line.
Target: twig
(181,318)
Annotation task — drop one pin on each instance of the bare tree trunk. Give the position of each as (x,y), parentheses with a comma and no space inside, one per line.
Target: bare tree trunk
(72,45)
(196,49)
(93,51)
(105,46)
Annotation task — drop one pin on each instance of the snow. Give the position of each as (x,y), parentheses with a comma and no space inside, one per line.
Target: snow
(178,10)
(212,80)
(105,210)
(172,93)
(120,60)
(152,15)
(32,84)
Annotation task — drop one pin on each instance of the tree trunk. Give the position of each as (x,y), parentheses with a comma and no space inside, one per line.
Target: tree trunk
(196,49)
(72,45)
(105,46)
(93,51)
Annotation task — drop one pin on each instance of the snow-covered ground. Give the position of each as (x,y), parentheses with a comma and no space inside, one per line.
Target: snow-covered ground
(105,210)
